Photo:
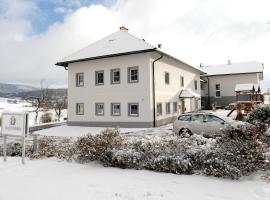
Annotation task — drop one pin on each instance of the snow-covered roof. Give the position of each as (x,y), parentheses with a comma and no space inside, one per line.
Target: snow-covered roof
(233,68)
(117,43)
(247,87)
(120,42)
(188,94)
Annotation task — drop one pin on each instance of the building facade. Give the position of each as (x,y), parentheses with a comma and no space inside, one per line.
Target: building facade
(134,85)
(219,83)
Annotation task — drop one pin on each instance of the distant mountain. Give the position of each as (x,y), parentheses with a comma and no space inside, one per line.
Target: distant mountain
(15,88)
(25,91)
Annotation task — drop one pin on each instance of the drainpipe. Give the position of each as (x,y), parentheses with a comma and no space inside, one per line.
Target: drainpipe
(208,92)
(154,89)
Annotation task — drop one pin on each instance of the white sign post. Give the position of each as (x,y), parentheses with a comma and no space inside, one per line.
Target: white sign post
(14,124)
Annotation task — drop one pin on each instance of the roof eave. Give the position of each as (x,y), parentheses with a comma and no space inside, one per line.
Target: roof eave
(65,63)
(201,72)
(205,75)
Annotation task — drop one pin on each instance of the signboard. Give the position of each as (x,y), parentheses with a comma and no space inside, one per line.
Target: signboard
(14,124)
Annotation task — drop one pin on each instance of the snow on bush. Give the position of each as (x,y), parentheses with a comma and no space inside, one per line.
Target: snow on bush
(97,147)
(260,113)
(237,153)
(46,118)
(15,149)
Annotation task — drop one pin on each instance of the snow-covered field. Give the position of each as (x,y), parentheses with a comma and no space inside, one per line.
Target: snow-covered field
(59,180)
(23,106)
(77,131)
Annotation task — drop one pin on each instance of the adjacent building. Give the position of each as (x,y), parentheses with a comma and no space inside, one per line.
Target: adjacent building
(222,82)
(124,81)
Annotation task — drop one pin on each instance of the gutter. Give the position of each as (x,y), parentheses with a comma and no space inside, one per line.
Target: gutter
(154,88)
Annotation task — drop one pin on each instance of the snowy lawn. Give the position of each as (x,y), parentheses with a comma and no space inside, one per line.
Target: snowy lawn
(54,179)
(76,131)
(24,106)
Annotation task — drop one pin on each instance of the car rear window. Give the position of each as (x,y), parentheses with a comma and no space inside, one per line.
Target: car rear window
(184,118)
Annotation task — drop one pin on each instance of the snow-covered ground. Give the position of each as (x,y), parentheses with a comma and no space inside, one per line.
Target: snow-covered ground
(59,180)
(23,106)
(77,131)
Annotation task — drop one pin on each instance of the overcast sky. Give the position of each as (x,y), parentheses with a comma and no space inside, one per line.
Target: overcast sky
(35,34)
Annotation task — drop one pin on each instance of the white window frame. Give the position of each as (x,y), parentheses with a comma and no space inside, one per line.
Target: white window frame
(217,90)
(195,84)
(129,110)
(167,78)
(129,74)
(113,113)
(113,76)
(175,105)
(79,79)
(79,108)
(182,81)
(97,108)
(168,108)
(96,77)
(159,112)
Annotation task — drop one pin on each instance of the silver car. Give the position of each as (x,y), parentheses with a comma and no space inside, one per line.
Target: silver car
(206,124)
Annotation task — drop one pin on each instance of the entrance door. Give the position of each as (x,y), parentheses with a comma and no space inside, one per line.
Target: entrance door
(183,107)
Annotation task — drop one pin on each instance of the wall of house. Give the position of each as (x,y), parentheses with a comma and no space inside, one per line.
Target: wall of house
(227,87)
(170,92)
(108,93)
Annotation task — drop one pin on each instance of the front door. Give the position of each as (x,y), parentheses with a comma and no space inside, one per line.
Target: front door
(183,107)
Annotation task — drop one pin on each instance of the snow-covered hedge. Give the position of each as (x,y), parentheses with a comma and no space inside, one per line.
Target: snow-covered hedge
(260,113)
(238,152)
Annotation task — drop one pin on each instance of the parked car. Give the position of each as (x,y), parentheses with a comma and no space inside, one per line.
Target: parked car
(207,124)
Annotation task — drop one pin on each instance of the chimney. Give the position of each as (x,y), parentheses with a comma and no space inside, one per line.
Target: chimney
(229,62)
(122,28)
(159,46)
(201,64)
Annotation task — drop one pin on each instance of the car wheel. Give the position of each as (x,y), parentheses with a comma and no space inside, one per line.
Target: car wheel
(185,132)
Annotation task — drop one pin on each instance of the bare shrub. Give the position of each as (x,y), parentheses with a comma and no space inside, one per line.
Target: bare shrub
(46,118)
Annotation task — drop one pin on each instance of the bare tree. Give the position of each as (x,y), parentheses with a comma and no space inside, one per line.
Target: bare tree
(59,104)
(41,101)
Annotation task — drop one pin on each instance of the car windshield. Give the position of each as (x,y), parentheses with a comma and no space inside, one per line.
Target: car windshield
(212,118)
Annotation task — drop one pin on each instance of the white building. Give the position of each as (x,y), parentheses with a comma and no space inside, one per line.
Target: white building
(110,83)
(220,83)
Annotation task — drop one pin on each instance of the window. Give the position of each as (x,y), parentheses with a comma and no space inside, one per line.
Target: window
(182,80)
(159,109)
(99,108)
(168,108)
(211,118)
(115,76)
(133,74)
(115,109)
(196,85)
(198,118)
(167,78)
(133,109)
(184,117)
(79,108)
(99,77)
(79,80)
(218,90)
(174,107)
